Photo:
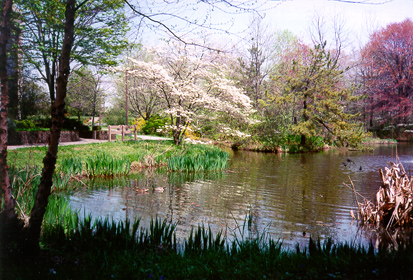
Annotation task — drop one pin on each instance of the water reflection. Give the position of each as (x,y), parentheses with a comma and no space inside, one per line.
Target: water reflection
(291,196)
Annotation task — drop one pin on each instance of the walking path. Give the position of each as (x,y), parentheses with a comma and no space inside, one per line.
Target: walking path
(83,141)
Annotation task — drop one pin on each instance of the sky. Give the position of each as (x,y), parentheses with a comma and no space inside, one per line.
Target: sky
(359,19)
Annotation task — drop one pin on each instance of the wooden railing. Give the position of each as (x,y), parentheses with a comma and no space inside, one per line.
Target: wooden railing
(121,129)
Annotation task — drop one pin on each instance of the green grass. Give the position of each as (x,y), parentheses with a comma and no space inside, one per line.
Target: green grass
(204,159)
(103,249)
(24,183)
(103,164)
(142,153)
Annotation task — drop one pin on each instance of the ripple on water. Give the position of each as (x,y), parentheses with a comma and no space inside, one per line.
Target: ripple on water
(291,197)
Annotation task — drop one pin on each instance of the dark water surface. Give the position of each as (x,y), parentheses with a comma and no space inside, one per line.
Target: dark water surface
(290,196)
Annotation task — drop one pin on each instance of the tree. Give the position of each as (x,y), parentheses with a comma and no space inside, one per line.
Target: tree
(56,57)
(34,99)
(278,113)
(84,93)
(387,72)
(43,193)
(9,201)
(316,85)
(257,66)
(144,99)
(192,87)
(333,30)
(100,29)
(41,200)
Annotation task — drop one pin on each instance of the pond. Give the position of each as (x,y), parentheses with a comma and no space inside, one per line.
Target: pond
(289,196)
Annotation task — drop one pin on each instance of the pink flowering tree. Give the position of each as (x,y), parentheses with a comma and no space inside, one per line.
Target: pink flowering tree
(194,86)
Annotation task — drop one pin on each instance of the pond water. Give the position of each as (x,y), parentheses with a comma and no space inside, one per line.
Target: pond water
(290,196)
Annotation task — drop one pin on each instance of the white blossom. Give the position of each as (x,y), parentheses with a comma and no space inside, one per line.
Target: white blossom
(192,89)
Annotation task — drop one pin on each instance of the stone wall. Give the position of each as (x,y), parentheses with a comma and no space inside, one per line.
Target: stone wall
(96,134)
(38,137)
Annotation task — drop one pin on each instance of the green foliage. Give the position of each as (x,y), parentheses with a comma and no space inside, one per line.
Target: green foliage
(59,218)
(103,164)
(70,166)
(321,99)
(61,182)
(202,240)
(25,124)
(40,120)
(144,153)
(109,249)
(121,250)
(153,125)
(74,124)
(100,30)
(201,160)
(115,116)
(24,183)
(273,130)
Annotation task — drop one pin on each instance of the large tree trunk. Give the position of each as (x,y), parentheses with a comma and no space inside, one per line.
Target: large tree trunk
(177,131)
(49,160)
(9,202)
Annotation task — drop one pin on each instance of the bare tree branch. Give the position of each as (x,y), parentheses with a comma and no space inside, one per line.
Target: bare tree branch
(366,2)
(234,8)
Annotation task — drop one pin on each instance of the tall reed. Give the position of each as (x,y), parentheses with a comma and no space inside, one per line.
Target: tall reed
(59,218)
(124,250)
(204,160)
(103,164)
(25,183)
(202,240)
(71,166)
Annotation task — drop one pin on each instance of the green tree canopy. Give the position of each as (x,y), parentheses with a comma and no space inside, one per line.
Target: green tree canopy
(84,94)
(100,29)
(316,86)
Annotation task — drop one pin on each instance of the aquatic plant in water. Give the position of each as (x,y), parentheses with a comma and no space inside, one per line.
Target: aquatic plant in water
(24,183)
(103,164)
(205,160)
(70,166)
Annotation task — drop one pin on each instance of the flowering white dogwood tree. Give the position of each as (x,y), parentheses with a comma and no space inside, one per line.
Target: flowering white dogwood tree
(193,89)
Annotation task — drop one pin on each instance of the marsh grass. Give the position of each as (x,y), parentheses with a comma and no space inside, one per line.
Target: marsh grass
(201,240)
(59,218)
(103,164)
(24,183)
(202,159)
(71,166)
(124,250)
(74,248)
(145,153)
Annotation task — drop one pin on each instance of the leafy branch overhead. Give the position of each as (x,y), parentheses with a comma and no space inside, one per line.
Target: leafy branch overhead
(100,29)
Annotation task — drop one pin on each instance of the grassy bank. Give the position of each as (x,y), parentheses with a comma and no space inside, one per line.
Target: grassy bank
(74,249)
(291,144)
(136,155)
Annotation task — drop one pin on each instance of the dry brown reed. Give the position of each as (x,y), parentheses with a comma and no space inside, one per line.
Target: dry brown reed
(394,200)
